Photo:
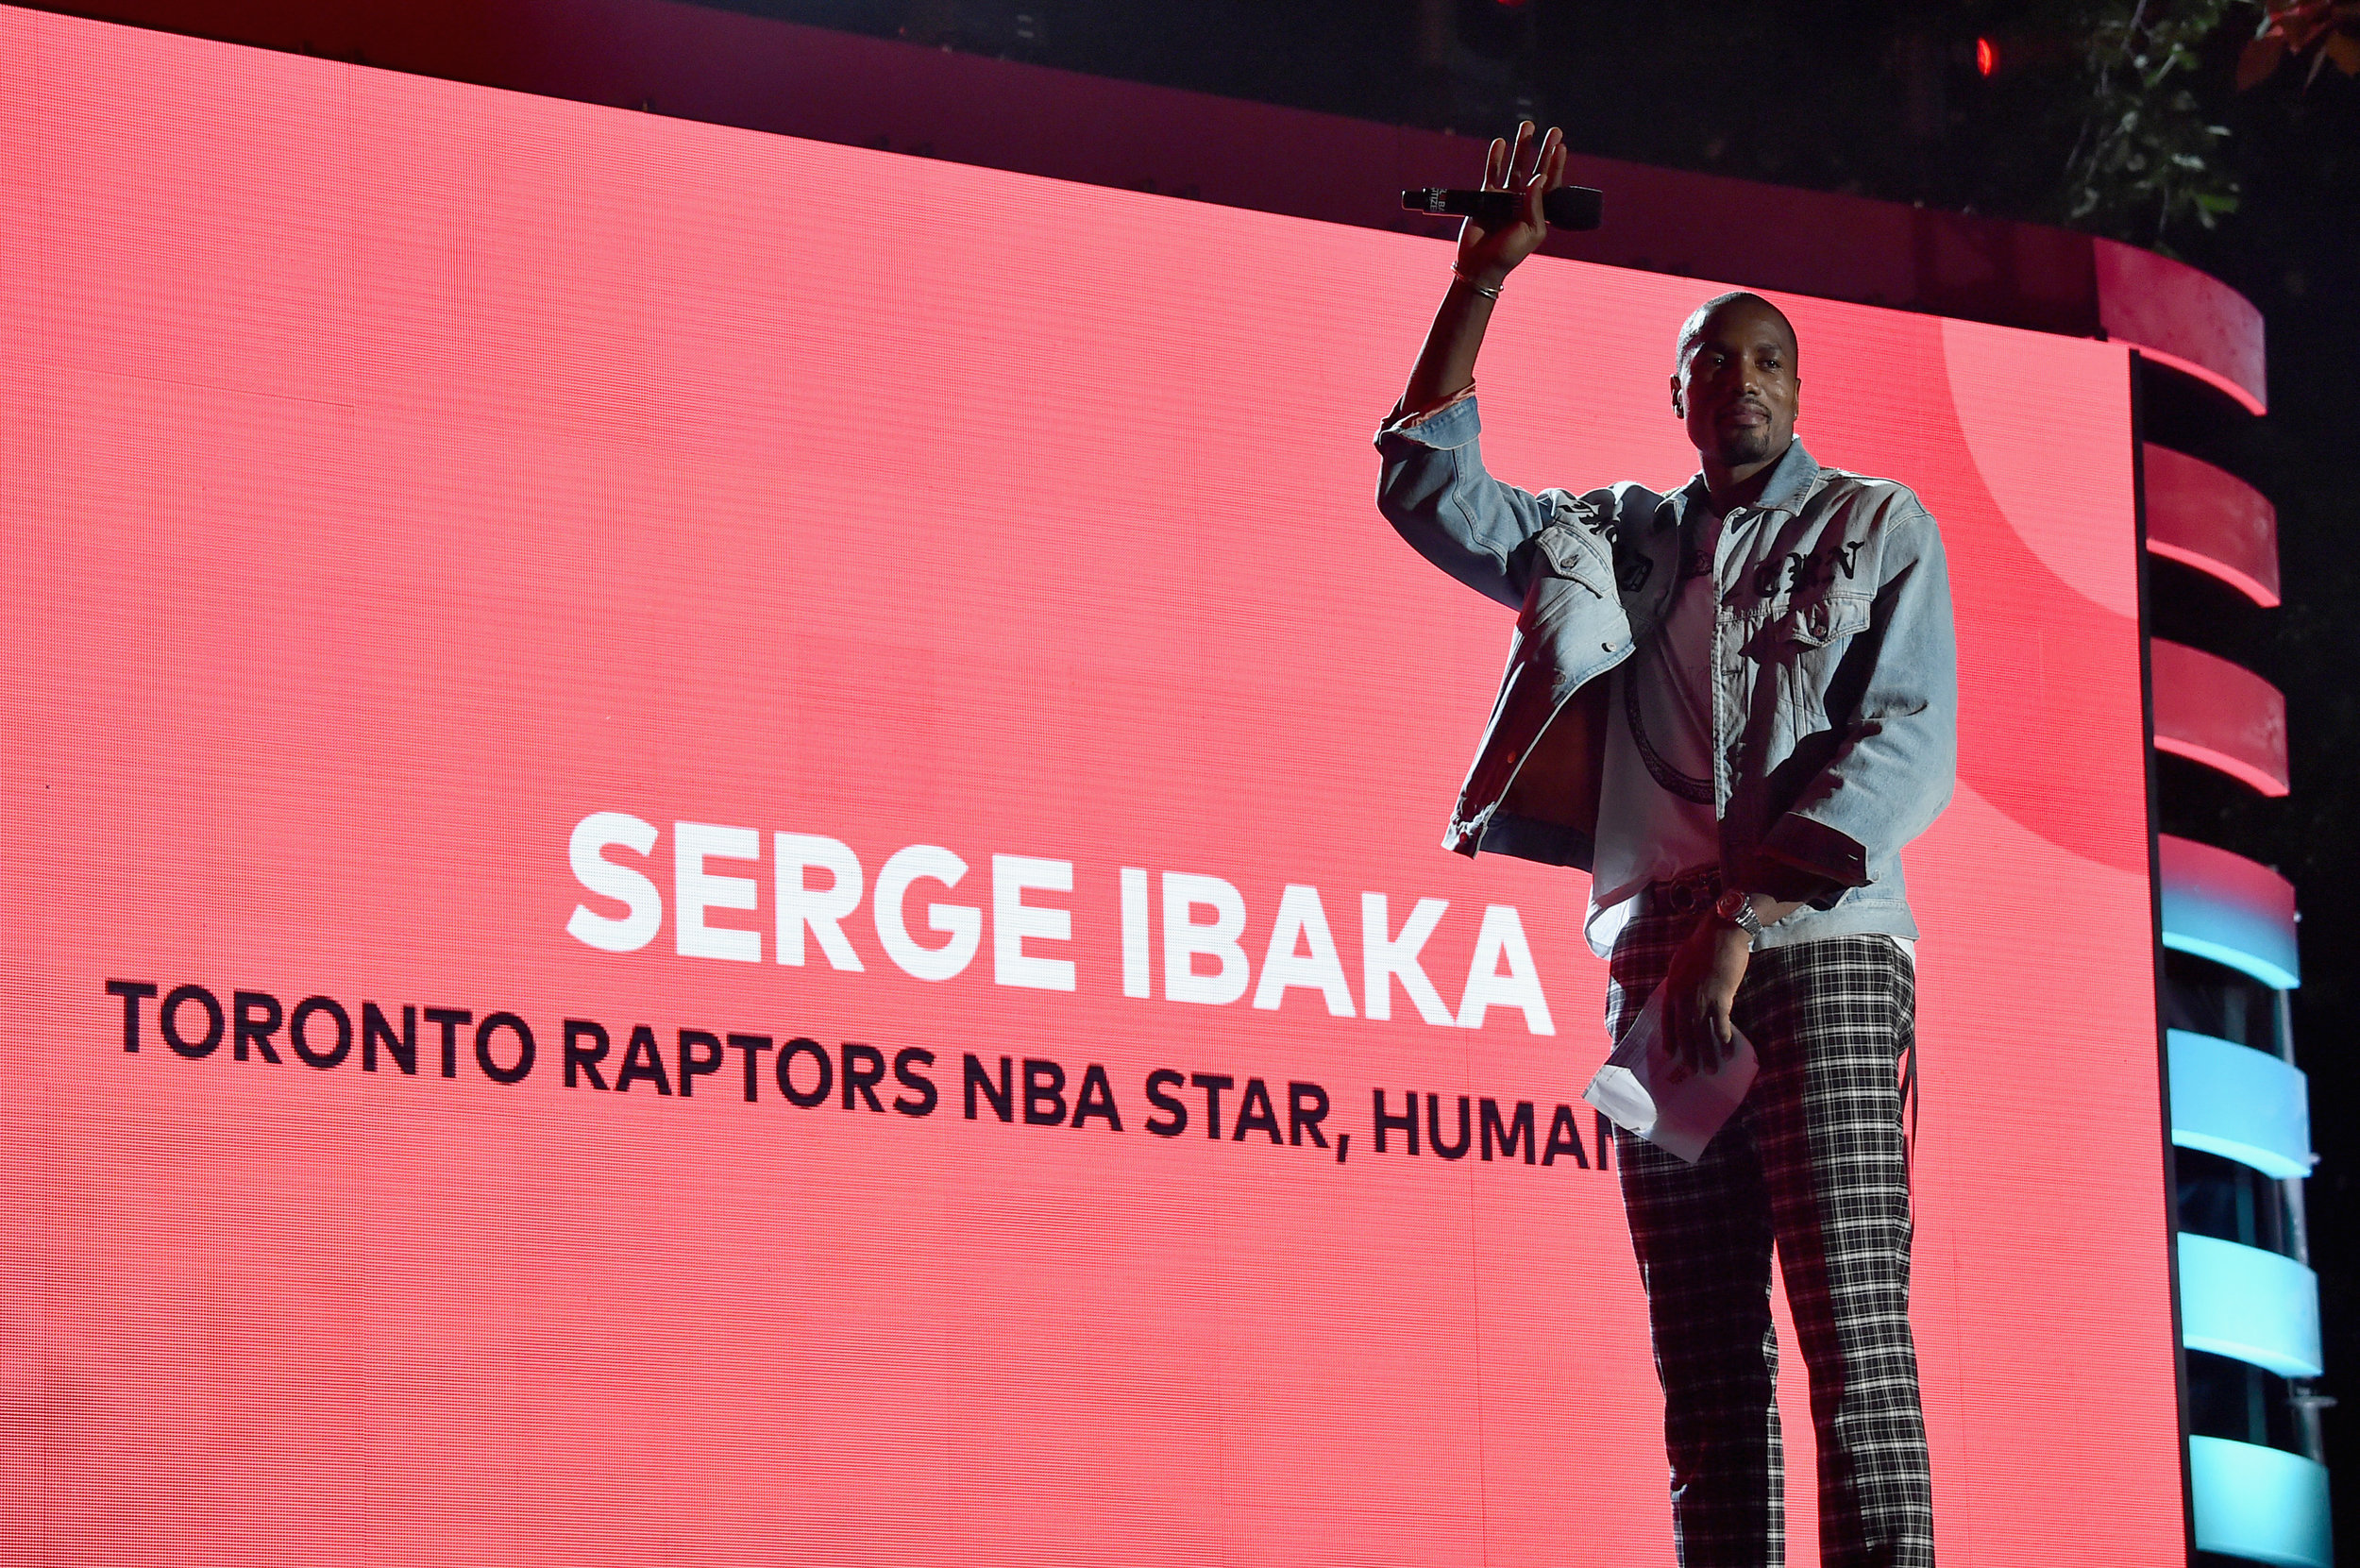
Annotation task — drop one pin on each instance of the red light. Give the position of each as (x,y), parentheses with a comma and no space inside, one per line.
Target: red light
(1986,57)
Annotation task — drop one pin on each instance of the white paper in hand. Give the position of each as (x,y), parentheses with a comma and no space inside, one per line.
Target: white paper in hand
(1641,1089)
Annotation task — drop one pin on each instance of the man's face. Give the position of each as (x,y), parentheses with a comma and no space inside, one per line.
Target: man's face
(1736,389)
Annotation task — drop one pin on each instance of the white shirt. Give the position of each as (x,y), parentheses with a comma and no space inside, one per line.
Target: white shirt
(1655,813)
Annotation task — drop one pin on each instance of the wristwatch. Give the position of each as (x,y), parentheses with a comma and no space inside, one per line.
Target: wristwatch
(1736,906)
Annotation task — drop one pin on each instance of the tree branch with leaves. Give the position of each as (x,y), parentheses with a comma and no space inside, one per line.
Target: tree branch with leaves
(2150,155)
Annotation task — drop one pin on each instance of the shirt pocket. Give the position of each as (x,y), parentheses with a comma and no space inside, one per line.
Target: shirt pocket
(1804,644)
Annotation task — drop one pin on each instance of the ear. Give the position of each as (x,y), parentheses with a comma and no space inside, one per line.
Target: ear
(1680,409)
(1799,399)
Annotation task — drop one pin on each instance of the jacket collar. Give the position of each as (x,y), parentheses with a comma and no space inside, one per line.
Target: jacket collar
(1793,479)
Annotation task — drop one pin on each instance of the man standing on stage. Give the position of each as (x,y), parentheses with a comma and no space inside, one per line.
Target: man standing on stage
(1732,705)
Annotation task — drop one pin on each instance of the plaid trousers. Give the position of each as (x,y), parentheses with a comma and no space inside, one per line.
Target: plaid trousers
(1816,1161)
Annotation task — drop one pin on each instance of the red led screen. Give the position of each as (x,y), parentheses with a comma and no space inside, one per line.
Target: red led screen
(763,819)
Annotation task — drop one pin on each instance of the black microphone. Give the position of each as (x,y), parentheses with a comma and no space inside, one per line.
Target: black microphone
(1567,207)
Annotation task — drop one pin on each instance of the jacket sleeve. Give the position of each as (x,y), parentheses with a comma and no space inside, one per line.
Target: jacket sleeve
(1894,771)
(1434,490)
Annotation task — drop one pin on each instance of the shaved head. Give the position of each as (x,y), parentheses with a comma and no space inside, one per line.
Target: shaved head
(1736,386)
(1693,328)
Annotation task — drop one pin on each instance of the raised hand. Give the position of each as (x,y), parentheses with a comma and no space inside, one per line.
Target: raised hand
(1531,168)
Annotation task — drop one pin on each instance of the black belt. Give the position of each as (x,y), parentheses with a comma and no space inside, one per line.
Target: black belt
(1685,894)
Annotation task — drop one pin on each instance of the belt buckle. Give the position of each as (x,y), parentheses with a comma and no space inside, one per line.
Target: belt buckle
(1685,895)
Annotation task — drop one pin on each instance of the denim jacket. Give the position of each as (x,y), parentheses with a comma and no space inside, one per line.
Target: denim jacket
(1835,685)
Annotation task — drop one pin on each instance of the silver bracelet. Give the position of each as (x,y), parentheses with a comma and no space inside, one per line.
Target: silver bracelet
(1488,290)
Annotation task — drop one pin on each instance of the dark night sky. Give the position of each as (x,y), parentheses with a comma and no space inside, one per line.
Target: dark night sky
(1883,100)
